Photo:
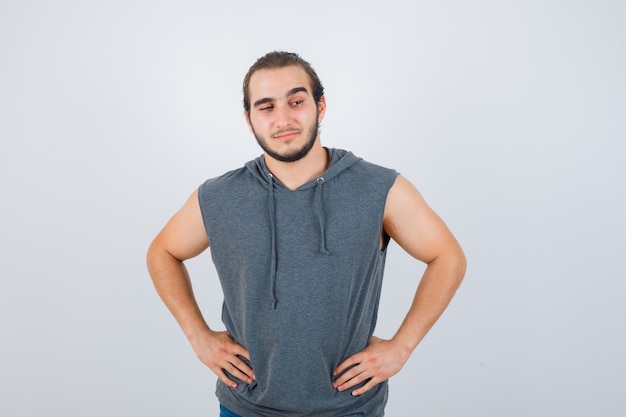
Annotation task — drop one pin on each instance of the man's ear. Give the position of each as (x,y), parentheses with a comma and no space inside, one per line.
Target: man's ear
(246,116)
(321,109)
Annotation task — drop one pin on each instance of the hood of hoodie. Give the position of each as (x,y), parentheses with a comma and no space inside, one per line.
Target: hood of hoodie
(339,160)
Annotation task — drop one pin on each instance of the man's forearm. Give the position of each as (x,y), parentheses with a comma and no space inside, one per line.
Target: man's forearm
(172,282)
(440,281)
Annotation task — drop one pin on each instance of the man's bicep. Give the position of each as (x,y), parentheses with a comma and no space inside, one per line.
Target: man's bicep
(184,235)
(411,223)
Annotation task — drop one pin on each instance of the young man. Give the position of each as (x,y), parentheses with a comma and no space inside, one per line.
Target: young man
(298,237)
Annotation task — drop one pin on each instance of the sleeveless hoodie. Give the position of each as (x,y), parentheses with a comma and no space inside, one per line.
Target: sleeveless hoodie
(301,272)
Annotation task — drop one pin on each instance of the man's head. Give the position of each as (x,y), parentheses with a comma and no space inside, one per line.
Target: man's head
(284,103)
(279,59)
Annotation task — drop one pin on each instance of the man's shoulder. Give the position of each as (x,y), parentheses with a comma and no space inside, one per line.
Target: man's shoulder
(354,162)
(374,167)
(226,177)
(232,177)
(232,186)
(372,171)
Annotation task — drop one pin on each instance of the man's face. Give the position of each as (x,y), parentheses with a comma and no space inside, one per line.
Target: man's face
(283,113)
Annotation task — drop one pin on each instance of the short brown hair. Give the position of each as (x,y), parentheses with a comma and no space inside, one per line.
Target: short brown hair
(281,59)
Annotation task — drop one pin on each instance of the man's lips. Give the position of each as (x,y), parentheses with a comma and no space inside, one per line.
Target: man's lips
(285,135)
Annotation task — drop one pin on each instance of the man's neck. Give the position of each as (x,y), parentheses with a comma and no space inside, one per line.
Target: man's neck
(293,174)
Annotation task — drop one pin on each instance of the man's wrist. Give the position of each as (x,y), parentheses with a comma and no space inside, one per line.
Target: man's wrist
(404,345)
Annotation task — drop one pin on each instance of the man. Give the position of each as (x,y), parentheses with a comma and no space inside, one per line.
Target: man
(299,237)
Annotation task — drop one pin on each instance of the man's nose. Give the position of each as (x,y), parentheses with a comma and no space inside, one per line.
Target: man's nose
(283,116)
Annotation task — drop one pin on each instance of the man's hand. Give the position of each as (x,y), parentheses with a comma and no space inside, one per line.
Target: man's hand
(220,353)
(380,360)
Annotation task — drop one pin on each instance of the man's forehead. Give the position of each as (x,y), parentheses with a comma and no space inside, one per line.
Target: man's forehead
(278,81)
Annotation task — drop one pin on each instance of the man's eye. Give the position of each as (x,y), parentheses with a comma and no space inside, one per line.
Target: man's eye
(265,108)
(296,103)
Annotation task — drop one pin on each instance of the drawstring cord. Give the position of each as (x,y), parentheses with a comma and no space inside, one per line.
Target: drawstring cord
(273,234)
(320,216)
(272,212)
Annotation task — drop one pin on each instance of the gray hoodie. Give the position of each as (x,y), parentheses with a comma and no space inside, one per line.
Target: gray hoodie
(301,273)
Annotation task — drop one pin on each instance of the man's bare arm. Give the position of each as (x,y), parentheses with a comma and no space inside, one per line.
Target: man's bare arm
(422,234)
(182,238)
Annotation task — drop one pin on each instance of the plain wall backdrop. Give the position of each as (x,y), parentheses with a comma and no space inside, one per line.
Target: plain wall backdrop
(508,116)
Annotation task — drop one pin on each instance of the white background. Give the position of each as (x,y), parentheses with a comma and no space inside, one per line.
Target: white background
(508,116)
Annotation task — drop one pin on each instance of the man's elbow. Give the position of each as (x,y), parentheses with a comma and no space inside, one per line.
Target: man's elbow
(452,259)
(158,257)
(458,263)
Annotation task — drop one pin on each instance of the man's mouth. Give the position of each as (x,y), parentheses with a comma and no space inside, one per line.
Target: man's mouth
(285,134)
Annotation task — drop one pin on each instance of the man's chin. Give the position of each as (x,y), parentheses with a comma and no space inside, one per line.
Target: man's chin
(292,155)
(288,157)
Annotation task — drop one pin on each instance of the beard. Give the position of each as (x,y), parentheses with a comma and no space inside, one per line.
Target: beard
(295,154)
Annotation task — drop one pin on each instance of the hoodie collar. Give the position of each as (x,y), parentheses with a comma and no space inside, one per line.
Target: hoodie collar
(339,160)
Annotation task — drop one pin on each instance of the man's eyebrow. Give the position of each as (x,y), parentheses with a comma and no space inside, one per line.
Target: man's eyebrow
(291,92)
(297,90)
(263,101)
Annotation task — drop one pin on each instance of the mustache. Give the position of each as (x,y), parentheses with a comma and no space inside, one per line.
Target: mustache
(286,130)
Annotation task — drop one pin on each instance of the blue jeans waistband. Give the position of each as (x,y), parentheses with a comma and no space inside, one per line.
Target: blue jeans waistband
(225,412)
